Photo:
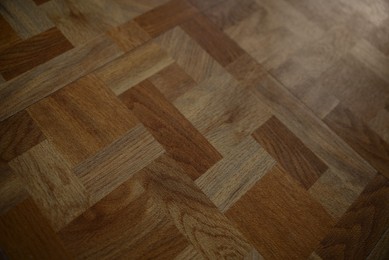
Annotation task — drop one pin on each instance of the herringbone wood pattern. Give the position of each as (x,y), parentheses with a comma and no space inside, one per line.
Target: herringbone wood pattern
(194,129)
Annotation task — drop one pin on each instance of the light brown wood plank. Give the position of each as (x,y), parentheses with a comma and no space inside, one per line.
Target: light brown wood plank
(357,232)
(165,17)
(280,218)
(32,52)
(134,67)
(25,234)
(175,133)
(55,189)
(23,91)
(303,165)
(82,118)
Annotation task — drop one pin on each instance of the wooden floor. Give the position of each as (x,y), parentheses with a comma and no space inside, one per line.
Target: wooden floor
(194,129)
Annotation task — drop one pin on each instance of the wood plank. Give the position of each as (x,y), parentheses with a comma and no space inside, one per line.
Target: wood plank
(211,39)
(360,137)
(41,81)
(18,134)
(381,249)
(25,234)
(380,124)
(25,17)
(32,52)
(54,188)
(195,216)
(229,179)
(128,223)
(290,152)
(113,165)
(204,4)
(12,191)
(175,133)
(357,232)
(134,67)
(82,118)
(165,17)
(129,36)
(280,218)
(8,35)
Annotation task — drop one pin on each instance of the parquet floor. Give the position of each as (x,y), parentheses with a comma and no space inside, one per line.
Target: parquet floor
(194,129)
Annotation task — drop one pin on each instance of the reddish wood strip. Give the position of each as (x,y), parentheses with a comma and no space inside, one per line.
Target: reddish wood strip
(32,52)
(215,42)
(290,152)
(165,17)
(18,134)
(175,133)
(360,137)
(362,226)
(280,217)
(25,234)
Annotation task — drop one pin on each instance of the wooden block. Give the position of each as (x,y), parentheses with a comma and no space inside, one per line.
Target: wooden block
(18,134)
(280,218)
(129,35)
(214,41)
(361,227)
(82,118)
(175,133)
(360,137)
(188,54)
(128,223)
(41,81)
(229,179)
(134,67)
(315,135)
(300,162)
(206,228)
(165,17)
(380,124)
(12,191)
(54,188)
(172,81)
(25,17)
(113,165)
(32,52)
(230,12)
(8,35)
(25,234)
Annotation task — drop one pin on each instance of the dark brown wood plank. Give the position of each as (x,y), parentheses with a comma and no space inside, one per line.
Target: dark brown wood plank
(300,162)
(169,127)
(215,42)
(360,137)
(362,226)
(26,235)
(166,16)
(280,217)
(8,35)
(32,52)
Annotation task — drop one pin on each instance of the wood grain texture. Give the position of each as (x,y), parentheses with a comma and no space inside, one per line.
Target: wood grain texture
(54,188)
(165,17)
(104,232)
(361,227)
(280,218)
(290,152)
(12,191)
(211,39)
(381,250)
(8,35)
(360,137)
(133,67)
(23,91)
(17,227)
(82,118)
(235,174)
(175,133)
(32,52)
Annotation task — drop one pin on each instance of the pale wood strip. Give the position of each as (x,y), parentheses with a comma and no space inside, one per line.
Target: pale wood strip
(235,174)
(134,67)
(113,165)
(57,192)
(25,234)
(25,17)
(45,79)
